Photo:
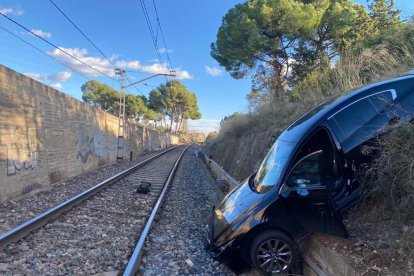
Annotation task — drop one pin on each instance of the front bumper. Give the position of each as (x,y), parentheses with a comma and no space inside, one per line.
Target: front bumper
(216,252)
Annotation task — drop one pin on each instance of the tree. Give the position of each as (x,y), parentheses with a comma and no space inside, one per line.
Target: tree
(152,115)
(100,95)
(344,26)
(135,107)
(386,20)
(188,110)
(175,101)
(262,33)
(269,37)
(105,97)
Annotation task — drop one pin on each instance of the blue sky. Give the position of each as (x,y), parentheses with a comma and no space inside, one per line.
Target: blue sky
(119,29)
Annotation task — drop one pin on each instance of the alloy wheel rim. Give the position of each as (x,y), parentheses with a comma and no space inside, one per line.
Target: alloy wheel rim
(274,256)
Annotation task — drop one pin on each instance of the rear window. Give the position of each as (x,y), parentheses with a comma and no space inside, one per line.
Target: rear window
(363,119)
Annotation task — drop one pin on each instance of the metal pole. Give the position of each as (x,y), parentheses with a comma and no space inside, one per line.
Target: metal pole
(120,152)
(121,126)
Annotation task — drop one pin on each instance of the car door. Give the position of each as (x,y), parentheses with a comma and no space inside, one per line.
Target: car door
(315,177)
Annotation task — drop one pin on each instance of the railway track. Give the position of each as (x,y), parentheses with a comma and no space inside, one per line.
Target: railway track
(97,230)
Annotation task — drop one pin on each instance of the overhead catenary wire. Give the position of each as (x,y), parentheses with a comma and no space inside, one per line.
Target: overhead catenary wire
(162,33)
(90,41)
(84,35)
(43,52)
(151,30)
(55,46)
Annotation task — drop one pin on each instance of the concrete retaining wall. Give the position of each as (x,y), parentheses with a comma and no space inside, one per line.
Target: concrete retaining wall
(325,260)
(47,136)
(218,172)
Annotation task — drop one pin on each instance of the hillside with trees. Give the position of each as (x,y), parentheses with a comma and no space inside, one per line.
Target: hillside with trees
(280,43)
(298,53)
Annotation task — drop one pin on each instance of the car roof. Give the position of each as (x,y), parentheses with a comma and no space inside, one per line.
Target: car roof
(314,117)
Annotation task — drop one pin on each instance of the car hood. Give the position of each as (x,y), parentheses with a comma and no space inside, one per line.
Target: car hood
(237,203)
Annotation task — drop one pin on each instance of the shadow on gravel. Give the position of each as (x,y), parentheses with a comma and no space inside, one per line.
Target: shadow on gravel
(239,266)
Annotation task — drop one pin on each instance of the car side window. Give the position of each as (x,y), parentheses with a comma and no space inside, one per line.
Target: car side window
(383,102)
(349,120)
(316,165)
(306,172)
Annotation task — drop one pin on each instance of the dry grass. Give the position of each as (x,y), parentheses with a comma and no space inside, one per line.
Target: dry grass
(389,188)
(390,179)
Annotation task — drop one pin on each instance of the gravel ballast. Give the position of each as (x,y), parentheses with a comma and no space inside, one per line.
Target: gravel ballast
(15,212)
(95,237)
(98,236)
(176,243)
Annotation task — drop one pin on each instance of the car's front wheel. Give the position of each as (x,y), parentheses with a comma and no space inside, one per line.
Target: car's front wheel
(272,252)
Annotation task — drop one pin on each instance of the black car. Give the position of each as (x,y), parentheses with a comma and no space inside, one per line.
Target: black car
(309,177)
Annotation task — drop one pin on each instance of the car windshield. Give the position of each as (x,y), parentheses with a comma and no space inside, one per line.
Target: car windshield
(270,170)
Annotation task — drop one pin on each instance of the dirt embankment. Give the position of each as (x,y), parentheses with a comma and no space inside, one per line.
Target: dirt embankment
(241,156)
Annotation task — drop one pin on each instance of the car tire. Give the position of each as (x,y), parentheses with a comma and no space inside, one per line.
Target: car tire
(273,253)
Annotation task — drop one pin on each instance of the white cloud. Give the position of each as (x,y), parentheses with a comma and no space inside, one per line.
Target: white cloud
(154,68)
(41,33)
(182,75)
(58,77)
(157,68)
(213,71)
(135,64)
(62,76)
(56,86)
(204,125)
(53,80)
(106,67)
(100,64)
(164,50)
(11,11)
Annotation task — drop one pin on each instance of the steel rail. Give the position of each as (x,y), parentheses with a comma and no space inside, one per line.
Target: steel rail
(26,228)
(135,260)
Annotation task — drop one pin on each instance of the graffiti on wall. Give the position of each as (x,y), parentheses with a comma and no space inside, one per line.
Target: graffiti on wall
(21,149)
(97,143)
(19,160)
(85,145)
